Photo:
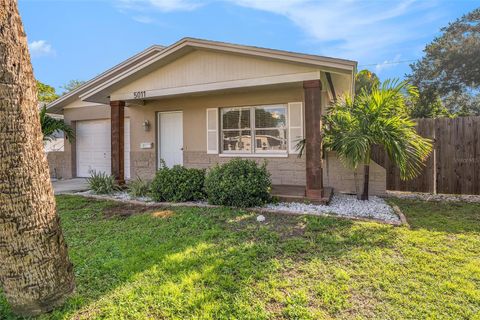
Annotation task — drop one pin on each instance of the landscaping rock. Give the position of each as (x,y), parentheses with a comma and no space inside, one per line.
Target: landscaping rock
(341,205)
(261,218)
(345,206)
(434,197)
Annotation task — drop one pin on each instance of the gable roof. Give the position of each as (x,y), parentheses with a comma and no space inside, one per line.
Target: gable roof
(98,89)
(73,95)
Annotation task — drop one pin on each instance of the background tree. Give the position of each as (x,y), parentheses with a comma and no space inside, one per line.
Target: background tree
(51,125)
(35,272)
(46,93)
(450,69)
(365,80)
(71,85)
(426,105)
(354,126)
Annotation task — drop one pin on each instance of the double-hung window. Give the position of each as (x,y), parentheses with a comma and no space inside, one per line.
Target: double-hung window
(255,129)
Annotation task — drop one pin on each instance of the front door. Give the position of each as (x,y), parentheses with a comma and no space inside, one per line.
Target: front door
(170,138)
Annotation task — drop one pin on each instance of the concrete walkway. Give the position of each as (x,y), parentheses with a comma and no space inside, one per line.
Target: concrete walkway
(70,185)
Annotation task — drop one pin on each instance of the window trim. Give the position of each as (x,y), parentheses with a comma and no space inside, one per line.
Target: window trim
(253,152)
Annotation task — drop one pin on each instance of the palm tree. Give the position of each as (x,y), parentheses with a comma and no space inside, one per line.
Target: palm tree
(35,272)
(353,126)
(51,125)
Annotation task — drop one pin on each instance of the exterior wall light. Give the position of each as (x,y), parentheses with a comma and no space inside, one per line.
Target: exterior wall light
(146,125)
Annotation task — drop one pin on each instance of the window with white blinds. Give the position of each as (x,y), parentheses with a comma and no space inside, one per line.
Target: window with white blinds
(265,129)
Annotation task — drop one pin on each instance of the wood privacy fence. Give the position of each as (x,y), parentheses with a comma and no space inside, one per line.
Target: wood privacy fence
(454,165)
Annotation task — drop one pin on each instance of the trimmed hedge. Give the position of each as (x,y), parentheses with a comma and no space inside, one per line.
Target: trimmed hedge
(178,184)
(238,183)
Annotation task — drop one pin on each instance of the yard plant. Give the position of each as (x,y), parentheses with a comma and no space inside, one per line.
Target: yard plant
(138,187)
(220,263)
(178,184)
(377,118)
(102,183)
(238,183)
(51,125)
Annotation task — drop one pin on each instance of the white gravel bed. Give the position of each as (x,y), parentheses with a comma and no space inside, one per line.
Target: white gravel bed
(434,197)
(345,206)
(125,197)
(341,205)
(119,195)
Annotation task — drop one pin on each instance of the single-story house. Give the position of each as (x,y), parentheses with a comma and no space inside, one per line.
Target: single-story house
(198,103)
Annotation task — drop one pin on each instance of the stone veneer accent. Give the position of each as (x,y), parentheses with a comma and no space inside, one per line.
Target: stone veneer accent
(289,171)
(59,164)
(346,180)
(142,164)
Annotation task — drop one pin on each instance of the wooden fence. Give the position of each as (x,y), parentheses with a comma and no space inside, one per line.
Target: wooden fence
(453,167)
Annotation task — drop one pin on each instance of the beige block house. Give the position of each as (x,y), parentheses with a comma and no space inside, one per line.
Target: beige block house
(198,103)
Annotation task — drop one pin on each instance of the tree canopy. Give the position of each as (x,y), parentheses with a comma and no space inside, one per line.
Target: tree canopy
(450,69)
(365,80)
(45,92)
(71,85)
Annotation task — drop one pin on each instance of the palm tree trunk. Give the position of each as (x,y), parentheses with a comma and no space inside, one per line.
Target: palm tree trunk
(35,272)
(366,177)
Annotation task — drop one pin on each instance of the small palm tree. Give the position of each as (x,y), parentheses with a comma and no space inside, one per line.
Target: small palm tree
(51,125)
(353,126)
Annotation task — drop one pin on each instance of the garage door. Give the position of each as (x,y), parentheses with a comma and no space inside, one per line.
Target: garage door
(93,147)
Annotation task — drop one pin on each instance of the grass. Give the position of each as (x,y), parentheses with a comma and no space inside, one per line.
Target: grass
(193,263)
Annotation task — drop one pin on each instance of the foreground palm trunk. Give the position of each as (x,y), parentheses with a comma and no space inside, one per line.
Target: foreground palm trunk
(35,272)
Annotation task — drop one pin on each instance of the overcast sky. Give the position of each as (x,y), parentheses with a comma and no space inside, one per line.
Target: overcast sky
(78,39)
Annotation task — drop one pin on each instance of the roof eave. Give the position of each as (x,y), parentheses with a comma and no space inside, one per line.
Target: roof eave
(57,105)
(326,63)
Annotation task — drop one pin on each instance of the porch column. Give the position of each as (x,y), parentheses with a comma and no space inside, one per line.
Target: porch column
(313,139)
(117,116)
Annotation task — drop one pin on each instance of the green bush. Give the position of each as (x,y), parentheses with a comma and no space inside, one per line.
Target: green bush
(178,184)
(138,188)
(102,183)
(238,183)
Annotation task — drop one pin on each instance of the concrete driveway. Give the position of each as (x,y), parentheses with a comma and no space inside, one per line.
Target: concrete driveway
(70,185)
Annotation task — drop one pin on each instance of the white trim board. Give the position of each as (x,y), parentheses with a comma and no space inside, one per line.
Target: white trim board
(224,85)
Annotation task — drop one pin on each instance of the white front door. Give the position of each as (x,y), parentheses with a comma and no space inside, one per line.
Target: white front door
(170,137)
(93,147)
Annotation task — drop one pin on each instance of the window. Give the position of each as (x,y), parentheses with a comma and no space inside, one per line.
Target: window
(259,129)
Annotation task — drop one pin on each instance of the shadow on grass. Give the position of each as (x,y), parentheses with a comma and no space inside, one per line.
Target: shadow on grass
(193,262)
(450,217)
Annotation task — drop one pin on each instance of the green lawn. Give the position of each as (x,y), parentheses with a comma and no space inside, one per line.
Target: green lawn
(221,264)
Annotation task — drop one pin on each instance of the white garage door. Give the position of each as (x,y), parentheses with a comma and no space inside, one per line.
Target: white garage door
(93,147)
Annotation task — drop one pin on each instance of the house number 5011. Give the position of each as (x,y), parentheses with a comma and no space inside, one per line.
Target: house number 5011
(139,94)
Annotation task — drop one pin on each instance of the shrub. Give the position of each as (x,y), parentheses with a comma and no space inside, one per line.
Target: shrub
(138,188)
(238,183)
(178,184)
(102,183)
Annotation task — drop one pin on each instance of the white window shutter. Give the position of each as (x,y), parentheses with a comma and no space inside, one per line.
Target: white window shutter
(212,130)
(295,125)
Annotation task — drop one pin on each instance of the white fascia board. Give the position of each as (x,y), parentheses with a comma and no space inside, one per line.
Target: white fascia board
(217,86)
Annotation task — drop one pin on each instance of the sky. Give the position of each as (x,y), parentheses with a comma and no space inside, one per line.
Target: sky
(78,39)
